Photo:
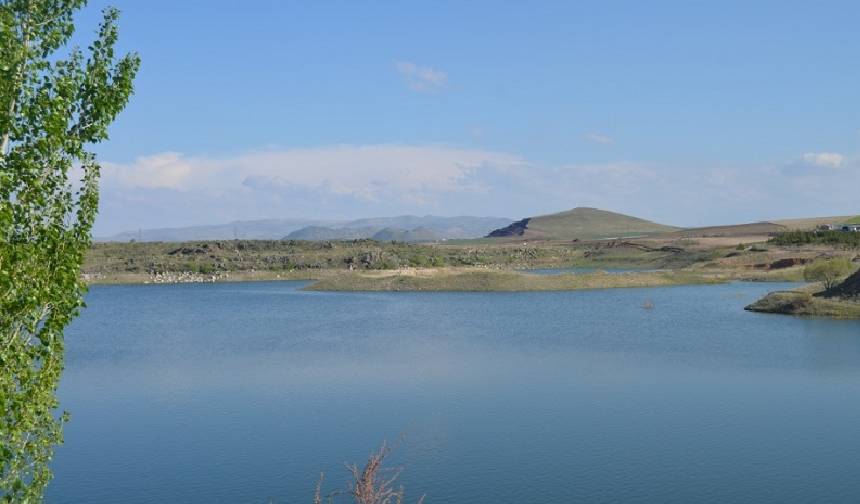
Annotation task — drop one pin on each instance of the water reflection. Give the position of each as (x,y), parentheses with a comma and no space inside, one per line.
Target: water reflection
(245,392)
(834,347)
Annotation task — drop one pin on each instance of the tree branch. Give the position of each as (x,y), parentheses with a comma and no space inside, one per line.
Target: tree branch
(19,78)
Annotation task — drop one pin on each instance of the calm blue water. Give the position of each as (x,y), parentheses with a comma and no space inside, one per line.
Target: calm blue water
(245,392)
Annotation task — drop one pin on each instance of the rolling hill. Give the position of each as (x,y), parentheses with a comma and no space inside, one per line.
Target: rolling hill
(580,223)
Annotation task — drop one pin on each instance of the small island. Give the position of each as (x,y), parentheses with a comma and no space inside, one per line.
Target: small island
(839,301)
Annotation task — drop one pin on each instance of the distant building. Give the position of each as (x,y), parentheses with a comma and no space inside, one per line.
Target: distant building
(827,227)
(851,228)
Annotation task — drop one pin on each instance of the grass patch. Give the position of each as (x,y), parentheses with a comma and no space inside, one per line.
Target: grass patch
(484,280)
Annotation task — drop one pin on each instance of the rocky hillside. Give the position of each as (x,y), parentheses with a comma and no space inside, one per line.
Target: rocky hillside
(518,228)
(850,288)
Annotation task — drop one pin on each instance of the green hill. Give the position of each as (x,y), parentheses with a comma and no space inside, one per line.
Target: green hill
(855,220)
(580,223)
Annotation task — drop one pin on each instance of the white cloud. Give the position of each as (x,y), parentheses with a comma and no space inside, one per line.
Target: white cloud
(369,172)
(818,164)
(350,181)
(824,159)
(422,78)
(167,170)
(600,139)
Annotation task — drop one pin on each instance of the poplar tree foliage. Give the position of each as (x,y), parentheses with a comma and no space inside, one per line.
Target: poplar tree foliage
(56,102)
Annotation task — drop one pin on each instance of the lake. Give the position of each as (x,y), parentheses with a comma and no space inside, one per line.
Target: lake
(244,393)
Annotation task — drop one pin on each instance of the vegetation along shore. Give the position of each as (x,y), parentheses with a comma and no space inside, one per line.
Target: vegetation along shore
(653,255)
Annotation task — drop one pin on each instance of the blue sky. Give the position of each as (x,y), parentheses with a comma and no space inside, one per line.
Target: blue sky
(689,113)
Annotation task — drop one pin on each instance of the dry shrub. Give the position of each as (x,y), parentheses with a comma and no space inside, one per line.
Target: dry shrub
(371,484)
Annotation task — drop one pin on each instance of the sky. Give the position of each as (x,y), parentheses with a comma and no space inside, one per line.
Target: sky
(687,113)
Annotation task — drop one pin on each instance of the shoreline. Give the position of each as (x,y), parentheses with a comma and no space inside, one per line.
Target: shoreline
(451,279)
(182,277)
(801,302)
(369,266)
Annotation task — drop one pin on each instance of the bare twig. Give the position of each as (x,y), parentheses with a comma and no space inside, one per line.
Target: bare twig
(317,497)
(371,484)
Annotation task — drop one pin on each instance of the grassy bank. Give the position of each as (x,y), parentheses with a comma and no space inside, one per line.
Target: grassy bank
(482,280)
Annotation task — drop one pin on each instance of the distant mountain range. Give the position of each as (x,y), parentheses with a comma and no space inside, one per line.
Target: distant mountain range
(318,233)
(580,223)
(408,228)
(267,229)
(401,228)
(419,234)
